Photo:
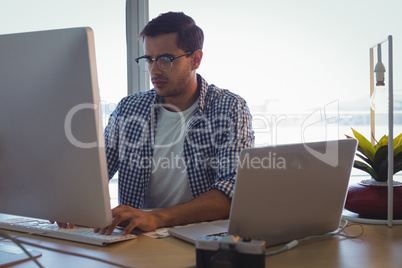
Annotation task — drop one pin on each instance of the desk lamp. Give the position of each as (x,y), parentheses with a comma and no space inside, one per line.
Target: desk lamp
(379,71)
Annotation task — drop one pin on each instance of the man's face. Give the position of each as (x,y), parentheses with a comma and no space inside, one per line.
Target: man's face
(176,81)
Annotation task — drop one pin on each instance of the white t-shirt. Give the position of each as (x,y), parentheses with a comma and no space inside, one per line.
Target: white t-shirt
(168,185)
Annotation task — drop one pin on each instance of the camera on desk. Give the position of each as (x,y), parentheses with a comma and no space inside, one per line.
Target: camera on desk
(229,251)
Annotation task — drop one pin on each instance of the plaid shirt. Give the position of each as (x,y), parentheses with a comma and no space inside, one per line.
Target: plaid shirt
(219,129)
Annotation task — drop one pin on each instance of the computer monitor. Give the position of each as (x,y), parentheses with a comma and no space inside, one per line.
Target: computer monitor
(52,155)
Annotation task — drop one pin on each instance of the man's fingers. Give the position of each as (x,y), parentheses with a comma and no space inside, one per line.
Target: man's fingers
(100,230)
(64,225)
(130,227)
(118,218)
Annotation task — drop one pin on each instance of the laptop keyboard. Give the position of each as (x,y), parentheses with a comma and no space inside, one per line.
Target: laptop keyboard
(77,234)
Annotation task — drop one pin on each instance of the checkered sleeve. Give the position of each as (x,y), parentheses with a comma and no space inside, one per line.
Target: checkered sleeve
(112,141)
(236,133)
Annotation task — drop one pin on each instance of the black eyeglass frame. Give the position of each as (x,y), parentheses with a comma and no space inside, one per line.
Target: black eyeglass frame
(171,58)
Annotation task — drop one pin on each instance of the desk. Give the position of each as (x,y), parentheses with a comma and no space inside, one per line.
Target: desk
(380,246)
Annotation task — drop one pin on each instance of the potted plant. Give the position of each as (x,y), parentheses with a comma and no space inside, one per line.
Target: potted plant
(368,198)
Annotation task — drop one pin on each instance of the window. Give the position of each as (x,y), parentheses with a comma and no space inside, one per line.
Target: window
(108,20)
(302,66)
(105,17)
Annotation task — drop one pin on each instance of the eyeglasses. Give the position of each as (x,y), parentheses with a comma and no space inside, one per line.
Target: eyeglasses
(164,62)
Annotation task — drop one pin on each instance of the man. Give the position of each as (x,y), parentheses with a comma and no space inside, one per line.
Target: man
(176,146)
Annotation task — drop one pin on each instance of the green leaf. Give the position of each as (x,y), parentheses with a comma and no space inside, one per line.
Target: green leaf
(397,168)
(383,141)
(397,162)
(365,147)
(381,154)
(366,168)
(398,157)
(382,171)
(398,144)
(376,157)
(365,159)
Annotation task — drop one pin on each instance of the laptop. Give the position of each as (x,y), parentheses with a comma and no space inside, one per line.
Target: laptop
(285,192)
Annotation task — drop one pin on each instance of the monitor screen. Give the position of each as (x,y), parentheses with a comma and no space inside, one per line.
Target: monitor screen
(52,155)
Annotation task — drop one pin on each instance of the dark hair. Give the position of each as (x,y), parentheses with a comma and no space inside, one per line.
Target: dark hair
(190,37)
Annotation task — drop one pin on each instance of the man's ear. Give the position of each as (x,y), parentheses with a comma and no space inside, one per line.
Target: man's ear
(197,57)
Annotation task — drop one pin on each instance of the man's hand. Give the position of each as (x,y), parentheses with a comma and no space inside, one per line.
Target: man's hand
(130,218)
(211,205)
(64,225)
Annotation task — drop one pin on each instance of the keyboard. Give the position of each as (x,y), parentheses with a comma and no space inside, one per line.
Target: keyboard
(77,234)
